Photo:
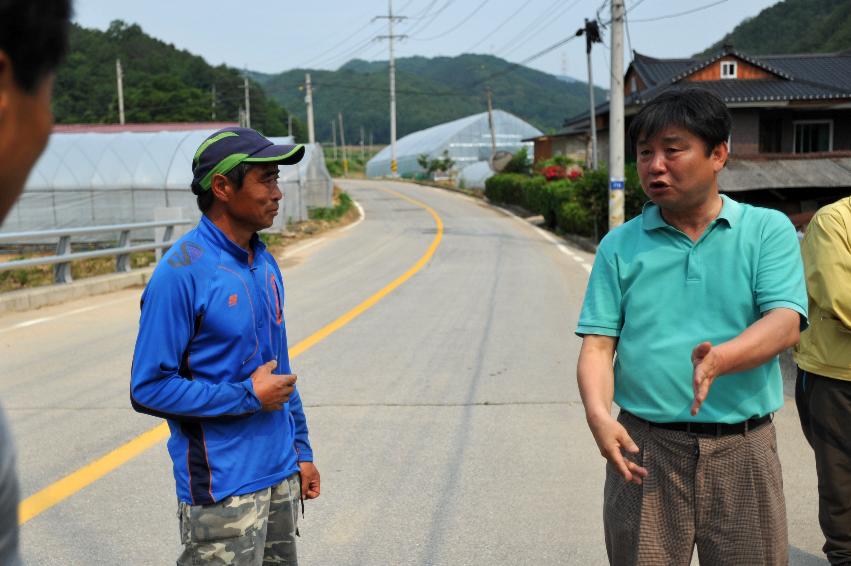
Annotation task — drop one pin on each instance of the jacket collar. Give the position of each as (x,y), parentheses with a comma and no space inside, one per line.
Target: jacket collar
(214,233)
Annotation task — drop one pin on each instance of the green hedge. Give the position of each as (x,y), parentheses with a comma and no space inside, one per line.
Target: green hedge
(578,207)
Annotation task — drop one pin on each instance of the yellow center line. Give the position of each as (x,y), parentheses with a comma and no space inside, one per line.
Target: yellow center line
(64,488)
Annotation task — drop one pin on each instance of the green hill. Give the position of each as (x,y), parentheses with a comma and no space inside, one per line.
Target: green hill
(161,83)
(793,26)
(429,92)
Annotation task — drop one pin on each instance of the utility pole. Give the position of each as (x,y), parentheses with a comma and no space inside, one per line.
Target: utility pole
(213,114)
(490,122)
(247,104)
(390,19)
(343,145)
(290,125)
(616,121)
(592,35)
(120,78)
(334,138)
(308,99)
(362,153)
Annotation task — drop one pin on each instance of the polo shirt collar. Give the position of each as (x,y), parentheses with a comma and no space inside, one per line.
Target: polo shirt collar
(651,215)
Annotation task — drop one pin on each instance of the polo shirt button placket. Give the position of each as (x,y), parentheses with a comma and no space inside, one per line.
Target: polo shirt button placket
(693,267)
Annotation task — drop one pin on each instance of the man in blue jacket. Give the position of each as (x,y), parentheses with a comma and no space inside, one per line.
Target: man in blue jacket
(211,334)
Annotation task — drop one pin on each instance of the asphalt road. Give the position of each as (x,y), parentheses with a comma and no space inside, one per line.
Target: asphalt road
(445,418)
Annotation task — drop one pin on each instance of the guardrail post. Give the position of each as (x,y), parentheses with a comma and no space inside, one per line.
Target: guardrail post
(62,271)
(166,236)
(122,262)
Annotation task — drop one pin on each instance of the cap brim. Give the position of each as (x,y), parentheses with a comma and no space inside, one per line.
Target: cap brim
(284,154)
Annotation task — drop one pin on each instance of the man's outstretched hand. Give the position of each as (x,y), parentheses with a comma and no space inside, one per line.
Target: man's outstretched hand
(706,362)
(611,438)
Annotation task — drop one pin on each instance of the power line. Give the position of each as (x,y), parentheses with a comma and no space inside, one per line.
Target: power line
(319,56)
(346,56)
(515,66)
(634,6)
(626,26)
(425,11)
(499,27)
(461,23)
(426,23)
(678,14)
(553,19)
(539,18)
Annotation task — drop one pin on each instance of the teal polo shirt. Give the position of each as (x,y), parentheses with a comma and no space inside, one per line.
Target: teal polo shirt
(661,295)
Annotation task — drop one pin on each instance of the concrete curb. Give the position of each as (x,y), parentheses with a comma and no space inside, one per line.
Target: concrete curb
(29,299)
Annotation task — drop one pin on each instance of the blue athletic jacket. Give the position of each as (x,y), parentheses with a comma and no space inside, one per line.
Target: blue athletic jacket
(209,319)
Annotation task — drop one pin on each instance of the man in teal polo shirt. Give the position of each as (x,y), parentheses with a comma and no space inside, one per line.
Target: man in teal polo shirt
(696,296)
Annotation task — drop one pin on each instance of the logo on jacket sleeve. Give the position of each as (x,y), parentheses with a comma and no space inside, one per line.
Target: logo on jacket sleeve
(189,253)
(232,300)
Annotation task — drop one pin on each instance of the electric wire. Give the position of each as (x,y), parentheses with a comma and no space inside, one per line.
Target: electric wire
(515,66)
(551,21)
(499,27)
(535,21)
(423,25)
(320,55)
(461,23)
(678,14)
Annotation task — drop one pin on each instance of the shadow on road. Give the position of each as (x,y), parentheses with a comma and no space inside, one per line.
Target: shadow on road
(798,557)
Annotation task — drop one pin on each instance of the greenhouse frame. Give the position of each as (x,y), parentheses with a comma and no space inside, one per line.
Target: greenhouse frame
(94,179)
(467,140)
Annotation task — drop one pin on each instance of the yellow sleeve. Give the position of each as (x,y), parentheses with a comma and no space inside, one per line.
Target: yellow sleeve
(827,264)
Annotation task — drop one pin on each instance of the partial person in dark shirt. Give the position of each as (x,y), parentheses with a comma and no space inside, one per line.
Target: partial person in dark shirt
(33,40)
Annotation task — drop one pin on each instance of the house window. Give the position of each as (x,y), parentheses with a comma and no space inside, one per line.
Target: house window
(770,134)
(728,69)
(813,135)
(633,85)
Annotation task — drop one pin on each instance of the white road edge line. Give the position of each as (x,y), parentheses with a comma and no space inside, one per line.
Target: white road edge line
(310,244)
(549,237)
(358,221)
(57,316)
(297,249)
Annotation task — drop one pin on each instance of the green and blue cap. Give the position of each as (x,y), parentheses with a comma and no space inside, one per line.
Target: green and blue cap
(228,147)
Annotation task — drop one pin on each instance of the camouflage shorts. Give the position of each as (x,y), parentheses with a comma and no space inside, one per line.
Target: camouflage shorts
(242,530)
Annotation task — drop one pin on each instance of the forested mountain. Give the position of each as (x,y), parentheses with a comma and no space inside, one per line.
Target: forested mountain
(161,83)
(429,91)
(793,26)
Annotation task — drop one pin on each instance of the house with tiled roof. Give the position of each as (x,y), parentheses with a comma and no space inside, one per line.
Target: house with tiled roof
(790,146)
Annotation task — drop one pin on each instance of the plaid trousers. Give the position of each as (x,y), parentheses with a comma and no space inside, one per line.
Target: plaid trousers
(721,494)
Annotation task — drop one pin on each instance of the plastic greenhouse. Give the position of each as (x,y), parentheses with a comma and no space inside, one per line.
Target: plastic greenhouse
(474,176)
(89,179)
(467,140)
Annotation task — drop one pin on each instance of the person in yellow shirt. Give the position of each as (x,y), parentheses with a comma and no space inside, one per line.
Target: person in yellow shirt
(823,388)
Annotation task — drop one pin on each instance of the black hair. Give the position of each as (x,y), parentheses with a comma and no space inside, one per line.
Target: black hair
(34,34)
(696,110)
(205,198)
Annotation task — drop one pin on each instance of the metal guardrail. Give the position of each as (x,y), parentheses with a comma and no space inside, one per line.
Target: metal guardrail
(64,256)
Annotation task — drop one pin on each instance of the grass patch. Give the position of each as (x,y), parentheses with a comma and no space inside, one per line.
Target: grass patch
(42,275)
(344,205)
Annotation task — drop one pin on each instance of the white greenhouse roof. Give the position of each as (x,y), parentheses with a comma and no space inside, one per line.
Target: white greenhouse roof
(126,160)
(467,140)
(88,179)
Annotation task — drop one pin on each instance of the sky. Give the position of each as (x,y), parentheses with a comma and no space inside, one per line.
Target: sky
(277,35)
